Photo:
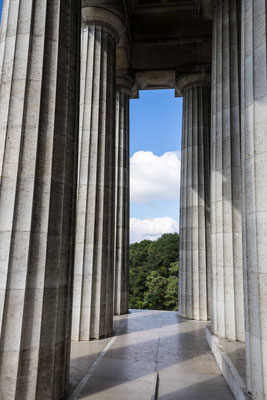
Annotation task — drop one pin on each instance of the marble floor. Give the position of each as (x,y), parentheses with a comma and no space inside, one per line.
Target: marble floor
(151,351)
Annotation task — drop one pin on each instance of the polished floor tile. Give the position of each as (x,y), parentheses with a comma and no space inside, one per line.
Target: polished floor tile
(146,342)
(117,389)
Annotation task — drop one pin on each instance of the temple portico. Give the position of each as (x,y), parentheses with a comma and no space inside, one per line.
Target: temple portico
(68,69)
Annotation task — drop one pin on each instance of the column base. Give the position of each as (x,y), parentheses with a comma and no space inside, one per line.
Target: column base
(231,359)
(123,312)
(191,318)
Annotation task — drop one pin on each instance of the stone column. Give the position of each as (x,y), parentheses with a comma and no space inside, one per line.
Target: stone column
(193,290)
(39,46)
(254,190)
(125,88)
(226,219)
(94,250)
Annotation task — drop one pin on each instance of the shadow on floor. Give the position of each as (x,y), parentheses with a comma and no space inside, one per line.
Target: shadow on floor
(146,342)
(208,389)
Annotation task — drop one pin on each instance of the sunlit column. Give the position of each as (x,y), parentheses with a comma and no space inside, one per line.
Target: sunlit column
(194,199)
(39,45)
(226,219)
(94,247)
(125,90)
(254,191)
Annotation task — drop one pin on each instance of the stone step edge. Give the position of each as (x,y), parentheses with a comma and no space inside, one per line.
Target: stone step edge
(229,371)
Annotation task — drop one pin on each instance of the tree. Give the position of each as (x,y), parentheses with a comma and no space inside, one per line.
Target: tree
(164,251)
(154,296)
(154,273)
(171,298)
(138,272)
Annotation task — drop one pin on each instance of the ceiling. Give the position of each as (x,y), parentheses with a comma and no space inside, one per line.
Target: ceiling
(164,39)
(168,35)
(161,6)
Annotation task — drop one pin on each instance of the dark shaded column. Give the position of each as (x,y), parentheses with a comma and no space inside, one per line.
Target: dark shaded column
(125,90)
(38,102)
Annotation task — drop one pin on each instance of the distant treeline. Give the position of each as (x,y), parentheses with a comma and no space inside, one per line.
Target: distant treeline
(154,273)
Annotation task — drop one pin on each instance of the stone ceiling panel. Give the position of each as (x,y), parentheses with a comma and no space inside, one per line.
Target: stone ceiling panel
(161,6)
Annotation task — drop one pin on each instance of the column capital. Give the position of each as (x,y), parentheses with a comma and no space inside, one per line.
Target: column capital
(198,79)
(127,84)
(104,18)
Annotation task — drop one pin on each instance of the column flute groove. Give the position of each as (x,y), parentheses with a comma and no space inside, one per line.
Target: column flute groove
(125,89)
(226,225)
(254,190)
(94,250)
(38,162)
(182,279)
(193,296)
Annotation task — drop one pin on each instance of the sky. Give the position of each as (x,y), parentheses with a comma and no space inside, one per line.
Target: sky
(155,145)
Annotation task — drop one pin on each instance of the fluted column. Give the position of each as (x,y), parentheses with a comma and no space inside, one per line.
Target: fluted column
(94,250)
(226,220)
(125,88)
(254,191)
(39,45)
(194,219)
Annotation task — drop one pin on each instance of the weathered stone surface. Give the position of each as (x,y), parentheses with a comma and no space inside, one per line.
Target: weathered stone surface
(39,44)
(194,229)
(38,103)
(254,191)
(94,250)
(122,198)
(226,219)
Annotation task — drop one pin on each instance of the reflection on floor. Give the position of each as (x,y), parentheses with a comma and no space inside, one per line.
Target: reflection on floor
(147,341)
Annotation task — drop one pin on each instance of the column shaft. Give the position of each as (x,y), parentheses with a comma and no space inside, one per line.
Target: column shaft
(94,251)
(38,102)
(254,190)
(226,220)
(193,293)
(121,271)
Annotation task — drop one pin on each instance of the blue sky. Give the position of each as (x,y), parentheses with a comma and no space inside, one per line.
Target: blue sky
(155,121)
(155,145)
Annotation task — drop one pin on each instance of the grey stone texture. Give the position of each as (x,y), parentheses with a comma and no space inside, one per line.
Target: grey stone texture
(122,198)
(254,191)
(194,275)
(38,152)
(226,218)
(94,243)
(54,284)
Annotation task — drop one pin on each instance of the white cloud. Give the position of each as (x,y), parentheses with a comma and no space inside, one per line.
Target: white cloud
(154,177)
(151,229)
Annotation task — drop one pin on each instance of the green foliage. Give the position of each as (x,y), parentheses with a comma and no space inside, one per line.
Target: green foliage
(154,273)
